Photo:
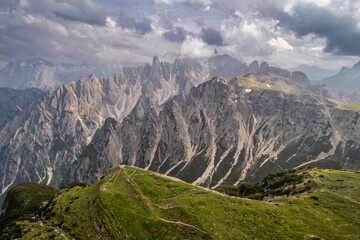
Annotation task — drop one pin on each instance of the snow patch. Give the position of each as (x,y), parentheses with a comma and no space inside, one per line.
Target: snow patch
(248,90)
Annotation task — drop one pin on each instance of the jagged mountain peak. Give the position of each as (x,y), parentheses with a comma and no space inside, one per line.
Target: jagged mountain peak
(228,132)
(300,77)
(156,61)
(264,65)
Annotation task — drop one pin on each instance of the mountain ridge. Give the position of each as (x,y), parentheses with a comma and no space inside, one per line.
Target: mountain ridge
(226,130)
(129,202)
(346,80)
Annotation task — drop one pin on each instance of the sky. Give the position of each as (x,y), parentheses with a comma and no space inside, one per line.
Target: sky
(286,33)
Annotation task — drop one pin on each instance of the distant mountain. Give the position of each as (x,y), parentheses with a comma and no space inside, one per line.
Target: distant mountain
(314,73)
(37,73)
(347,80)
(43,74)
(131,203)
(12,102)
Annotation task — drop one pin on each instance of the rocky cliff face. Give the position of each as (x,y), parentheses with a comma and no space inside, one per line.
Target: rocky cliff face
(41,142)
(12,102)
(227,132)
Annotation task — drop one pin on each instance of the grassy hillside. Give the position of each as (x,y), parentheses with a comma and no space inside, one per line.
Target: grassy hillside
(130,203)
(349,106)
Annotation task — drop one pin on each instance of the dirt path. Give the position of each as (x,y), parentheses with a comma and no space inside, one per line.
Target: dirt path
(149,204)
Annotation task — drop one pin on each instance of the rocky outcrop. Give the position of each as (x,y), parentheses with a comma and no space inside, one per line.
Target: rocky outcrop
(227,132)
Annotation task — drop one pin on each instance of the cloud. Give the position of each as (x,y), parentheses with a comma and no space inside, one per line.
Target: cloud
(133,30)
(178,34)
(164,21)
(200,22)
(110,23)
(28,32)
(212,36)
(194,47)
(142,26)
(187,3)
(248,38)
(90,12)
(280,43)
(338,26)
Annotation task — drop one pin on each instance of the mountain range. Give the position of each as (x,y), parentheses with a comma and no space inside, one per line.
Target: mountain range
(173,119)
(227,132)
(314,73)
(43,74)
(347,80)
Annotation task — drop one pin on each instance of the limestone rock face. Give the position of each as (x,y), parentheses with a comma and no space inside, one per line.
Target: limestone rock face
(41,142)
(227,132)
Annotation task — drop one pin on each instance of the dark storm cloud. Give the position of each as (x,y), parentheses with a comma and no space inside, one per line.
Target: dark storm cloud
(90,12)
(173,34)
(80,14)
(340,31)
(211,36)
(336,22)
(178,34)
(142,26)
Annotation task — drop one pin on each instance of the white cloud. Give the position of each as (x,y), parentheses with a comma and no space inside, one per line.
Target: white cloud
(247,37)
(320,3)
(280,43)
(172,2)
(110,23)
(195,48)
(168,2)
